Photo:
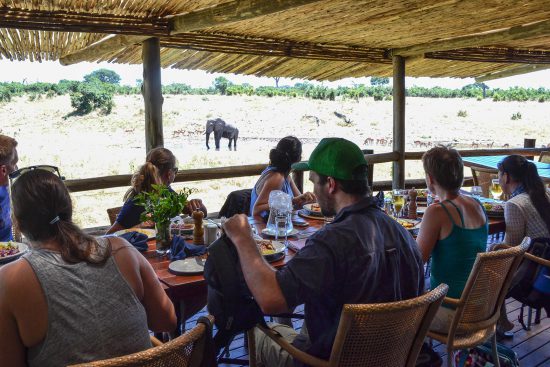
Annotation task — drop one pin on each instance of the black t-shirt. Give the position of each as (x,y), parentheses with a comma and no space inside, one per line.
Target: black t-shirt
(363,256)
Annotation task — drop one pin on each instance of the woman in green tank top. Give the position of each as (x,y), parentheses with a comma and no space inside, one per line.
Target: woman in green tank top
(453,232)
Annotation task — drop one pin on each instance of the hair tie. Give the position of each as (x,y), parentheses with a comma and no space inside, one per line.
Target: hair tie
(55,220)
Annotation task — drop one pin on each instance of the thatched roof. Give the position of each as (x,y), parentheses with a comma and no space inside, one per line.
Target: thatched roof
(293,38)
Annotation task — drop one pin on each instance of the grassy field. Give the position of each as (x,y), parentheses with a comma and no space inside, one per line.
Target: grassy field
(96,145)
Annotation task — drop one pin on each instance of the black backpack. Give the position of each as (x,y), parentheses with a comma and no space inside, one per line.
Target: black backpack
(229,299)
(531,282)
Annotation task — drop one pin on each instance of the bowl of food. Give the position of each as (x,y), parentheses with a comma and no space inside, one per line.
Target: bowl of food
(11,250)
(313,209)
(271,250)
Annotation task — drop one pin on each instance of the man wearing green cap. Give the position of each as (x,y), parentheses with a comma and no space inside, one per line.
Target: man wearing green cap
(363,256)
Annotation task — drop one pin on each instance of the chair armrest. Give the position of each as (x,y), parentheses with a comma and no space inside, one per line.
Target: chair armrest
(452,301)
(292,350)
(500,246)
(538,260)
(155,341)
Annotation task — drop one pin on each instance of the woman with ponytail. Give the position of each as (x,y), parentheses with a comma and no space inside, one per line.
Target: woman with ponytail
(277,177)
(527,212)
(142,181)
(73,298)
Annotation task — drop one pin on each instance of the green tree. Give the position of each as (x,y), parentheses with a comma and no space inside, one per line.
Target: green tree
(103,75)
(91,96)
(379,81)
(221,84)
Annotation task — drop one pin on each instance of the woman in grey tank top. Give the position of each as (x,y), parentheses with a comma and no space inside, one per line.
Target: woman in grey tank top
(73,298)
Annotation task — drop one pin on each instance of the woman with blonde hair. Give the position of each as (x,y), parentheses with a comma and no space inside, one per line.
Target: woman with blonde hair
(73,298)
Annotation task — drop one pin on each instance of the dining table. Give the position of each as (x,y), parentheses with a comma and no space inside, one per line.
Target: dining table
(188,292)
(490,162)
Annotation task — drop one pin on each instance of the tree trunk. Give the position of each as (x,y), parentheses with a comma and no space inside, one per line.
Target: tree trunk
(152,93)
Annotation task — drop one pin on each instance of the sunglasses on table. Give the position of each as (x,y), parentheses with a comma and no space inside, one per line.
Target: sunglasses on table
(21,171)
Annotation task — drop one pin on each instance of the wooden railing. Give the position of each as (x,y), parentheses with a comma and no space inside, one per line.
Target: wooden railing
(201,174)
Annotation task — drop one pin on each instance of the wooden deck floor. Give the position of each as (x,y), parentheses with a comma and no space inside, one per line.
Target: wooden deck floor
(532,347)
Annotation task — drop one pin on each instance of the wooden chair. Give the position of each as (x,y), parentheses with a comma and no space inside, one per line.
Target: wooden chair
(544,157)
(113,213)
(382,334)
(482,177)
(478,308)
(190,349)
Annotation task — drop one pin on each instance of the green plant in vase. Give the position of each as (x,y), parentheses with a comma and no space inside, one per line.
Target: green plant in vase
(161,204)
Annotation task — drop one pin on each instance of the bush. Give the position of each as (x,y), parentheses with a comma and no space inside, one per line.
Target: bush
(5,94)
(516,116)
(50,94)
(91,96)
(462,113)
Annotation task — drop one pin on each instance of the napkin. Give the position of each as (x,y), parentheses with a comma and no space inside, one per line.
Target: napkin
(181,249)
(137,239)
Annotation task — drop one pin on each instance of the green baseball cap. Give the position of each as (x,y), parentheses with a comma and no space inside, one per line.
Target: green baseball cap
(334,157)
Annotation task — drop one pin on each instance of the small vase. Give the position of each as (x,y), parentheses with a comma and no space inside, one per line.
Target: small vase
(163,237)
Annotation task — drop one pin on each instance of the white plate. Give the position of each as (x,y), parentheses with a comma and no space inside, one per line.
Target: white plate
(189,266)
(22,249)
(270,233)
(278,246)
(149,232)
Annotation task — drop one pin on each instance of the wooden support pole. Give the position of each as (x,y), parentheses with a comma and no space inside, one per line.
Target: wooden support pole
(152,93)
(398,177)
(529,143)
(298,178)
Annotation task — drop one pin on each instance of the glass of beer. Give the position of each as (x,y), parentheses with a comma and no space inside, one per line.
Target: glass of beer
(496,190)
(398,198)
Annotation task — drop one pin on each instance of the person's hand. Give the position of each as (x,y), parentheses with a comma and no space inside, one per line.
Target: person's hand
(147,224)
(305,198)
(237,229)
(194,205)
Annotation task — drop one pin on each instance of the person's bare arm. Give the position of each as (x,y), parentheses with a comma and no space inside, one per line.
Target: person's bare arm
(429,231)
(258,274)
(273,182)
(12,350)
(115,227)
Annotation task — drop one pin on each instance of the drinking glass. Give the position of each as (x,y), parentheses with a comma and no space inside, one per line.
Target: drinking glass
(280,225)
(496,190)
(476,191)
(398,197)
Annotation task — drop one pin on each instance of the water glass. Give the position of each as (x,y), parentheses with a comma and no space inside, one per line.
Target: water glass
(476,191)
(280,225)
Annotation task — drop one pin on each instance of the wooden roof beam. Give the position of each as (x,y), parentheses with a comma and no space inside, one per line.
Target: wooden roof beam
(523,69)
(230,44)
(230,12)
(477,40)
(493,55)
(96,50)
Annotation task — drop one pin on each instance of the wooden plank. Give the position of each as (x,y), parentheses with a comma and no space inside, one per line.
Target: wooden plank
(98,49)
(493,55)
(230,12)
(477,40)
(524,69)
(398,178)
(152,94)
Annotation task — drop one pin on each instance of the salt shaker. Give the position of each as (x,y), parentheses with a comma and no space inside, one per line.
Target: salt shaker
(198,231)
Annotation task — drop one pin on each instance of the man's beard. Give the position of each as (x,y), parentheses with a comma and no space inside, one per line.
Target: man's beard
(327,207)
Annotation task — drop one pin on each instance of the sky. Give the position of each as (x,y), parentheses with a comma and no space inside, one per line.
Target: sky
(53,71)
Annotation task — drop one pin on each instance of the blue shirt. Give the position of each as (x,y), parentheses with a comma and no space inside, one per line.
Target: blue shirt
(363,256)
(129,214)
(286,188)
(5,215)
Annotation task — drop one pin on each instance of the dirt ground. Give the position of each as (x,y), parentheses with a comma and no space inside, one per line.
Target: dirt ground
(96,145)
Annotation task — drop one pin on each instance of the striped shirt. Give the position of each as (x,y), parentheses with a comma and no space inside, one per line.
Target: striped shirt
(522,219)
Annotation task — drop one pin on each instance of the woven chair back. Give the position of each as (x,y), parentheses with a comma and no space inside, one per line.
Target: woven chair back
(486,287)
(385,334)
(113,213)
(185,350)
(482,177)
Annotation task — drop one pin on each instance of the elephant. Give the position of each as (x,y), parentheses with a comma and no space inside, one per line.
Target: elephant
(221,130)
